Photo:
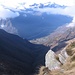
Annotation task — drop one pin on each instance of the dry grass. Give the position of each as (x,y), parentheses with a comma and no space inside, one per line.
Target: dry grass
(70,49)
(70,71)
(66,69)
(44,71)
(70,64)
(73,57)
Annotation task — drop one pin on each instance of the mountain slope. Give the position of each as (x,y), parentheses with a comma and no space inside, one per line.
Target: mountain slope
(58,37)
(68,67)
(18,55)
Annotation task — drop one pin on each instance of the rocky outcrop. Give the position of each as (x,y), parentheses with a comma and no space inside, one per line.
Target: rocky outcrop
(51,62)
(63,56)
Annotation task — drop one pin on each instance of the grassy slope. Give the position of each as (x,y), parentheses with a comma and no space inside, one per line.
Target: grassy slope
(66,69)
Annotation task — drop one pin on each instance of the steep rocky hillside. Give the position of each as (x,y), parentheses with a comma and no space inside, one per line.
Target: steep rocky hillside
(57,38)
(66,68)
(18,56)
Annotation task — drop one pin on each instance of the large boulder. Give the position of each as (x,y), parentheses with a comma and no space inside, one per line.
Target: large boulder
(51,62)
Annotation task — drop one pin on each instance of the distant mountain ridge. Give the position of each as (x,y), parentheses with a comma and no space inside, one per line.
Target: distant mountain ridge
(58,37)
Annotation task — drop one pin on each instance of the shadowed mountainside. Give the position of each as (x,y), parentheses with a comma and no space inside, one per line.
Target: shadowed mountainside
(18,56)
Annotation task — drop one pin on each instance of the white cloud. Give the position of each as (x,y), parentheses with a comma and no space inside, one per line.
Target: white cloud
(69,11)
(64,2)
(71,25)
(14,4)
(6,13)
(28,2)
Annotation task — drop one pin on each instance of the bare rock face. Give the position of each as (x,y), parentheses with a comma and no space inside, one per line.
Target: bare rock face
(51,62)
(63,56)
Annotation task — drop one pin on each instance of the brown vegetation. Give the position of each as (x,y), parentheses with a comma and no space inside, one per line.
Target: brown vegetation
(70,49)
(66,69)
(44,71)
